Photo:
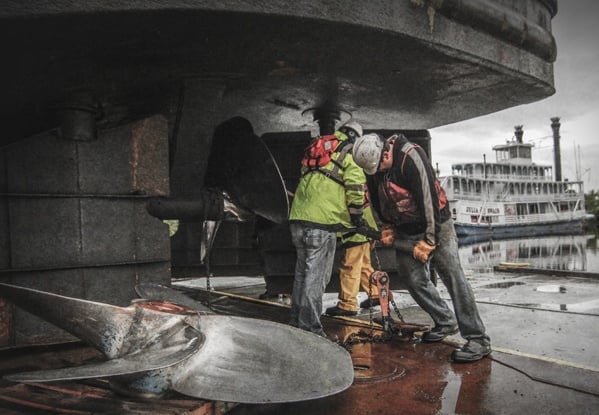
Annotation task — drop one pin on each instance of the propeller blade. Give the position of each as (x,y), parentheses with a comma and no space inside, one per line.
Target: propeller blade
(143,361)
(156,346)
(241,163)
(102,325)
(256,180)
(257,361)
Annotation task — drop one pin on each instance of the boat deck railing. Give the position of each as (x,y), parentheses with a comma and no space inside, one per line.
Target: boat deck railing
(504,177)
(516,198)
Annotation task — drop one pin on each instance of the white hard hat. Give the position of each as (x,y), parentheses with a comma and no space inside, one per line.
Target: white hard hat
(354,126)
(367,152)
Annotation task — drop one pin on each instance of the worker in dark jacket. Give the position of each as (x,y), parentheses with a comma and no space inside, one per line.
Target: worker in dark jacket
(408,195)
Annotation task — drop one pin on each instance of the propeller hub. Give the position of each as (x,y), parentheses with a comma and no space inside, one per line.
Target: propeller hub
(165,307)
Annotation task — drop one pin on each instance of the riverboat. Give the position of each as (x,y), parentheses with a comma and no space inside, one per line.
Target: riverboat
(514,196)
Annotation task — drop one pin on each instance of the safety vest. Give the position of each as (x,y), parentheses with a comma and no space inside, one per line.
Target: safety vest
(325,196)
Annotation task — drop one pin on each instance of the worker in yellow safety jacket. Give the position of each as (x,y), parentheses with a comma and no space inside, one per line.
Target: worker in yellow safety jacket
(328,199)
(355,270)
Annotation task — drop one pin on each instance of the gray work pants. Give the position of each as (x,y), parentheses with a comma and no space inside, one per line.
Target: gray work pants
(315,255)
(446,262)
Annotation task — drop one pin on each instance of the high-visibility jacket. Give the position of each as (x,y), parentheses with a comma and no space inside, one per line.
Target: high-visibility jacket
(326,196)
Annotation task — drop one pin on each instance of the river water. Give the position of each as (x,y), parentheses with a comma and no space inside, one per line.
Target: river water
(560,252)
(576,292)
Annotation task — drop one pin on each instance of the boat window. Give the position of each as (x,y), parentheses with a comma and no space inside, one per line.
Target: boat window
(521,207)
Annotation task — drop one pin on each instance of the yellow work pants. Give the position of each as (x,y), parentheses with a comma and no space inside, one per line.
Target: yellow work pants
(355,269)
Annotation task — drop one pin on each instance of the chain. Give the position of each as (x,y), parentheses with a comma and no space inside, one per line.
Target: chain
(370,311)
(369,336)
(376,257)
(209,289)
(391,301)
(366,337)
(396,309)
(209,241)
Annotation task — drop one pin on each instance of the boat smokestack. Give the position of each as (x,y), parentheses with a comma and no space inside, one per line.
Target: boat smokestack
(557,158)
(519,132)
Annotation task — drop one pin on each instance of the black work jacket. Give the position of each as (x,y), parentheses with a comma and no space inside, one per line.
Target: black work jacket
(412,170)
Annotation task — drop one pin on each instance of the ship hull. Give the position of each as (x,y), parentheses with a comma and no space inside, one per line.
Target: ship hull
(566,227)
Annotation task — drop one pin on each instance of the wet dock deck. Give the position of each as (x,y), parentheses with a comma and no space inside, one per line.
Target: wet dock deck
(544,361)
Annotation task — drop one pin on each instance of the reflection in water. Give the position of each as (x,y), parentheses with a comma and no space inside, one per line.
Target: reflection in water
(551,288)
(430,384)
(559,252)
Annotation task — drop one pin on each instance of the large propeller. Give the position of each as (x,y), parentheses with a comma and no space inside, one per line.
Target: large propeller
(167,341)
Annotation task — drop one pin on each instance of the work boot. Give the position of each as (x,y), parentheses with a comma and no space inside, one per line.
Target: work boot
(472,351)
(370,302)
(336,311)
(438,333)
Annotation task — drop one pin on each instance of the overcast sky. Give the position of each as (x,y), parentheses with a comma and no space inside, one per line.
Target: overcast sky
(575,102)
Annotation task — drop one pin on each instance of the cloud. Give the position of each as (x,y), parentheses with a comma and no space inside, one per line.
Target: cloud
(576,102)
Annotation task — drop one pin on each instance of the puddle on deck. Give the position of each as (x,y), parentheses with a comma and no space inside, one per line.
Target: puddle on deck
(551,288)
(506,284)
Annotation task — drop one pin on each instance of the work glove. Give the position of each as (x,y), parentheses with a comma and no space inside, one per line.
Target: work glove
(422,251)
(369,232)
(387,237)
(358,220)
